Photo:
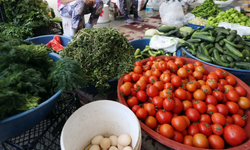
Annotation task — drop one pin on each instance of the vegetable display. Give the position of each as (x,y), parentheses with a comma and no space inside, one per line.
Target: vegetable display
(220,46)
(183,101)
(198,21)
(206,9)
(28,76)
(103,54)
(180,32)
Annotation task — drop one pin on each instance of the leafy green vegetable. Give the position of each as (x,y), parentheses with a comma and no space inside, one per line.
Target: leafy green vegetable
(103,54)
(206,9)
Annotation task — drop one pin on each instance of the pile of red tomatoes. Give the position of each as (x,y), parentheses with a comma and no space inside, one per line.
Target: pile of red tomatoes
(186,103)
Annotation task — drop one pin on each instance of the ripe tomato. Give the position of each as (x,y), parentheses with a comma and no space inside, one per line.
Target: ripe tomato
(135,108)
(232,95)
(237,119)
(178,137)
(191,78)
(141,85)
(138,63)
(187,120)
(169,86)
(244,103)
(222,108)
(218,118)
(233,107)
(205,118)
(157,129)
(206,89)
(152,79)
(228,87)
(230,80)
(198,75)
(241,112)
(167,58)
(138,69)
(179,123)
(145,78)
(229,120)
(159,85)
(141,113)
(188,140)
(179,63)
(180,93)
(172,66)
(193,129)
(220,87)
(216,142)
(182,72)
(132,101)
(234,134)
(168,104)
(200,68)
(210,99)
(151,122)
(152,91)
(187,104)
(199,95)
(125,89)
(162,66)
(156,72)
(163,116)
(127,78)
(176,81)
(240,90)
(221,73)
(166,93)
(198,85)
(189,96)
(212,83)
(157,101)
(148,73)
(141,96)
(217,129)
(200,140)
(184,132)
(218,95)
(146,67)
(150,108)
(200,106)
(165,78)
(191,86)
(205,129)
(149,63)
(193,114)
(212,75)
(202,82)
(178,106)
(223,82)
(211,109)
(152,58)
(167,131)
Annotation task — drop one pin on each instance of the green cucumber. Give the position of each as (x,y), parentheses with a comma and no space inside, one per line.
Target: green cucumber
(190,45)
(165,28)
(219,48)
(216,55)
(236,58)
(137,52)
(218,38)
(233,50)
(179,45)
(234,45)
(210,51)
(203,57)
(221,43)
(232,35)
(230,59)
(237,39)
(207,28)
(204,49)
(204,38)
(194,40)
(218,62)
(199,49)
(225,31)
(243,65)
(208,46)
(224,58)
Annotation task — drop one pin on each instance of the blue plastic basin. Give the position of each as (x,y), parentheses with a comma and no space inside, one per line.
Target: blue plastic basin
(194,26)
(19,123)
(241,74)
(142,43)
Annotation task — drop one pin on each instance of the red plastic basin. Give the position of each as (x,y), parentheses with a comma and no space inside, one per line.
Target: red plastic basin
(175,145)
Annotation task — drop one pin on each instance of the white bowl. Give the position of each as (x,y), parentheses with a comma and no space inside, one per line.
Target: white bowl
(103,117)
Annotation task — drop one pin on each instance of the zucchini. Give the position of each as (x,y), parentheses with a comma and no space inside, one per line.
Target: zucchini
(203,57)
(207,28)
(204,38)
(218,62)
(234,45)
(243,65)
(233,50)
(224,58)
(165,28)
(194,40)
(219,48)
(204,49)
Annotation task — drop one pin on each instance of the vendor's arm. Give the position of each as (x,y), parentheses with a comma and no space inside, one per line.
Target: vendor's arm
(66,1)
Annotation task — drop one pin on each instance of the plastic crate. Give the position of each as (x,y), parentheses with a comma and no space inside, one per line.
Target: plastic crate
(194,26)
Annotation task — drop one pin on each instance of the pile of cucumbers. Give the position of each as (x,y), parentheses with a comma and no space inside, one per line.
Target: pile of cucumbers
(183,32)
(219,46)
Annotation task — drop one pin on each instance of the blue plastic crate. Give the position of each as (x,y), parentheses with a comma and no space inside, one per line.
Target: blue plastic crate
(194,26)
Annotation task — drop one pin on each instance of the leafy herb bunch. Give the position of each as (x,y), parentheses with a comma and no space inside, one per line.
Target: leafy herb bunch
(103,54)
(207,9)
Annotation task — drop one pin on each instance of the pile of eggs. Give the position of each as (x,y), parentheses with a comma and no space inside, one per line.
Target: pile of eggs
(113,142)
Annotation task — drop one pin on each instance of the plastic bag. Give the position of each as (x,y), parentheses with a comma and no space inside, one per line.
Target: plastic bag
(241,30)
(188,17)
(55,44)
(168,44)
(171,13)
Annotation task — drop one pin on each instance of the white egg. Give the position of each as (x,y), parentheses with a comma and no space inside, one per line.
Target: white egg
(124,139)
(127,148)
(105,143)
(96,140)
(113,148)
(120,147)
(95,147)
(113,139)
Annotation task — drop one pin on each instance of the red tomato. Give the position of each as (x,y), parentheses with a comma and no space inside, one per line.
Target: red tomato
(169,86)
(157,101)
(212,75)
(223,82)
(217,129)
(162,66)
(150,108)
(172,66)
(244,103)
(200,140)
(189,96)
(156,72)
(218,118)
(125,89)
(163,116)
(167,131)
(220,87)
(133,92)
(141,113)
(218,95)
(151,122)
(205,129)
(179,63)
(141,85)
(229,120)
(200,106)
(221,73)
(193,129)
(127,78)
(187,104)
(178,106)
(135,77)
(188,140)
(179,123)
(210,99)
(166,93)
(216,142)
(233,107)
(180,93)
(191,86)
(198,75)
(152,58)
(239,120)
(199,95)
(138,63)
(176,81)
(141,96)
(178,137)
(132,101)
(212,83)
(146,67)
(182,72)
(167,58)
(152,79)
(211,109)
(152,91)
(180,59)
(193,114)
(230,80)
(206,89)
(135,108)
(241,112)
(165,78)
(234,134)
(138,69)
(159,85)
(240,90)
(168,104)
(145,78)
(222,108)
(232,95)
(205,118)
(157,129)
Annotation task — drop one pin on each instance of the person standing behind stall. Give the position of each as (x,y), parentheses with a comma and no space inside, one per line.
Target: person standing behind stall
(76,9)
(124,11)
